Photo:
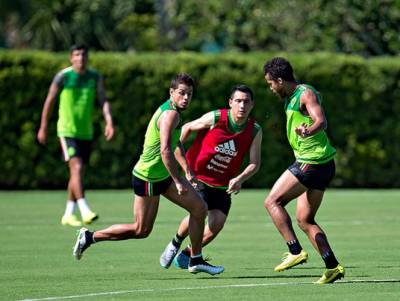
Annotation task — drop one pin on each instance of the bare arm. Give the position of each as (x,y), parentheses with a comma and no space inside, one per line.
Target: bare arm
(235,184)
(167,123)
(309,101)
(46,113)
(204,122)
(181,158)
(101,96)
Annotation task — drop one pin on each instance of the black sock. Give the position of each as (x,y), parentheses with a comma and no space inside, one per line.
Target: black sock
(89,237)
(330,260)
(177,240)
(294,247)
(196,260)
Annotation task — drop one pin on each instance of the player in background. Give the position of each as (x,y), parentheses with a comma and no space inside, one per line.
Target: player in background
(307,178)
(78,87)
(223,139)
(156,173)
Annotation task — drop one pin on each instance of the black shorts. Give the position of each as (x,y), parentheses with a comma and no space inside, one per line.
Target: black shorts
(216,198)
(314,176)
(145,188)
(72,147)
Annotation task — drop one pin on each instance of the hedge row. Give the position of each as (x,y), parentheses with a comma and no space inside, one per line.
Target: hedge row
(361,100)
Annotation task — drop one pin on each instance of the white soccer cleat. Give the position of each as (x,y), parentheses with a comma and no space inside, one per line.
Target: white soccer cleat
(81,244)
(168,255)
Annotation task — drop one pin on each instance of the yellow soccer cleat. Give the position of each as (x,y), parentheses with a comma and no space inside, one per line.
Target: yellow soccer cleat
(289,260)
(331,275)
(89,218)
(71,220)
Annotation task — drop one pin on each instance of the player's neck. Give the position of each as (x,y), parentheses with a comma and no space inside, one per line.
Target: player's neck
(290,88)
(238,120)
(78,70)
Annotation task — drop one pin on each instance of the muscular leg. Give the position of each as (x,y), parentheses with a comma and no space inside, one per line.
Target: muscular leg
(216,221)
(145,212)
(75,183)
(285,189)
(307,207)
(192,202)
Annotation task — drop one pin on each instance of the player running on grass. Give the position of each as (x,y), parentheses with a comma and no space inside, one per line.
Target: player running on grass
(224,138)
(156,173)
(309,175)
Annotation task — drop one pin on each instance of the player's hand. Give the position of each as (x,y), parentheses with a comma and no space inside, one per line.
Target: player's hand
(234,186)
(196,184)
(302,130)
(42,136)
(180,187)
(109,132)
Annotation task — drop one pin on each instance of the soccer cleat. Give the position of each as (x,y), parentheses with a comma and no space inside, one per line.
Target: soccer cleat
(205,268)
(70,220)
(168,255)
(289,260)
(89,218)
(181,261)
(83,242)
(331,275)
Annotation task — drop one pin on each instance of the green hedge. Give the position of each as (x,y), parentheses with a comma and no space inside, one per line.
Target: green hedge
(361,100)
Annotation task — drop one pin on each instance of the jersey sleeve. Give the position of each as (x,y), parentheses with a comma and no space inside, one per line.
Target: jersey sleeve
(256,129)
(59,79)
(217,116)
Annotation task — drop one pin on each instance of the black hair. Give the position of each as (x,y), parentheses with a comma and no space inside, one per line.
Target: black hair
(79,47)
(182,78)
(278,67)
(242,88)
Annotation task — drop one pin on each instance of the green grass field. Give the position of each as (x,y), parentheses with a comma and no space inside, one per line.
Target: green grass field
(36,260)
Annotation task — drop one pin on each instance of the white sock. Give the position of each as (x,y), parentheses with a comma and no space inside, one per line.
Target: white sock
(83,206)
(69,208)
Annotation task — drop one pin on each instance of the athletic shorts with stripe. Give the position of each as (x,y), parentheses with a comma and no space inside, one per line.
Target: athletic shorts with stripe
(314,176)
(145,188)
(72,147)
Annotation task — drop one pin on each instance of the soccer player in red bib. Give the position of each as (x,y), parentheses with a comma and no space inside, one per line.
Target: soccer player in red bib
(224,138)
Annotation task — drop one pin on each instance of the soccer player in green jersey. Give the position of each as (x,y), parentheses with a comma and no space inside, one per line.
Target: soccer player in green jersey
(78,87)
(156,173)
(311,173)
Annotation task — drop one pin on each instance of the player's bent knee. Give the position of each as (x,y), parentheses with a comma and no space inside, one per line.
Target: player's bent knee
(305,224)
(143,232)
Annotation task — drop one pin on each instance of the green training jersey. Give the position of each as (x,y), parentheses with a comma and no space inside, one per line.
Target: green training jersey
(150,166)
(76,103)
(314,149)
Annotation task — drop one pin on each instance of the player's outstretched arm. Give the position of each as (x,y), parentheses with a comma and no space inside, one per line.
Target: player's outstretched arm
(204,122)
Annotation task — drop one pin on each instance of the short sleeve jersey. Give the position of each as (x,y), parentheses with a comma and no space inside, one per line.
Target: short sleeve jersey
(77,97)
(150,166)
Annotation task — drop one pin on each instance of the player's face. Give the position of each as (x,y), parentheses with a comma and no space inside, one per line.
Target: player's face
(275,85)
(241,104)
(79,59)
(181,96)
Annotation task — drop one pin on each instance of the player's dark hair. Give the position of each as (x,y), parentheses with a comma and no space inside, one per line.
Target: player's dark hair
(79,47)
(182,78)
(279,67)
(242,88)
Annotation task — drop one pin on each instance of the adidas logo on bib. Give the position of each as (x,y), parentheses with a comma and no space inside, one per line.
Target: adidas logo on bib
(227,148)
